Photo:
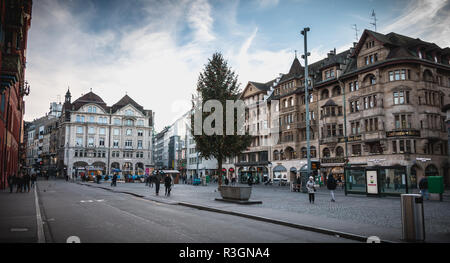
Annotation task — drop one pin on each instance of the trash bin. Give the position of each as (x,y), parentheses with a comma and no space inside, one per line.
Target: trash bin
(436,186)
(413,223)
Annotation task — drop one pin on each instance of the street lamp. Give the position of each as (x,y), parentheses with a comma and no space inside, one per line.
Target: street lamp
(305,57)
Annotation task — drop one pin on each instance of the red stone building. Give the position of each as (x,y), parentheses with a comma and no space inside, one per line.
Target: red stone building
(15,20)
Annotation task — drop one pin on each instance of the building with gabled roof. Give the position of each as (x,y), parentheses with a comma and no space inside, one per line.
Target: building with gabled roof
(97,138)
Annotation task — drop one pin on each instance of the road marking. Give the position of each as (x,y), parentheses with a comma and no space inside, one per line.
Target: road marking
(40,223)
(19,229)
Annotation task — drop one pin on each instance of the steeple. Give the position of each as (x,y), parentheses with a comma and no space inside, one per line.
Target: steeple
(296,67)
(68,96)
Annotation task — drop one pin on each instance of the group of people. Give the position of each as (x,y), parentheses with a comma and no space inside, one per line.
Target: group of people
(311,187)
(23,182)
(156,179)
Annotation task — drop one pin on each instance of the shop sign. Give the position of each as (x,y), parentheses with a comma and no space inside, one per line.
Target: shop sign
(333,160)
(404,133)
(351,138)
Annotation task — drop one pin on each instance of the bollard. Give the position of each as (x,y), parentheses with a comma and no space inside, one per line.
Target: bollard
(413,223)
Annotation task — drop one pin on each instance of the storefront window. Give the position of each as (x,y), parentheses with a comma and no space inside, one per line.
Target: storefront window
(355,181)
(392,180)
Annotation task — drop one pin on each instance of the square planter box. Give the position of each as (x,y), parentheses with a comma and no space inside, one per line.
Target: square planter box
(241,193)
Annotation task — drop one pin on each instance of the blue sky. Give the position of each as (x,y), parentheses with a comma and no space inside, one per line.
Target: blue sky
(154,50)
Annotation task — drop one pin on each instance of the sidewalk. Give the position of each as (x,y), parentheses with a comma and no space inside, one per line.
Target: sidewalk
(354,214)
(17,217)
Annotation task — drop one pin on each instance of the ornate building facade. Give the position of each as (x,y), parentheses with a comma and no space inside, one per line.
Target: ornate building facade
(96,138)
(15,21)
(377,104)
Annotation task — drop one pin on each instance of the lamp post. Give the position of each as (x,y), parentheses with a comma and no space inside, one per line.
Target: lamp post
(305,57)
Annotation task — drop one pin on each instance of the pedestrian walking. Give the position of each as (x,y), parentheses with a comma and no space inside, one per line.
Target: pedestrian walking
(19,183)
(311,189)
(227,181)
(157,182)
(396,183)
(33,179)
(114,180)
(168,184)
(11,182)
(331,185)
(26,182)
(151,179)
(233,180)
(423,186)
(388,182)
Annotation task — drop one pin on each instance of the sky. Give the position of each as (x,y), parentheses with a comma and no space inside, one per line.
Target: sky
(154,50)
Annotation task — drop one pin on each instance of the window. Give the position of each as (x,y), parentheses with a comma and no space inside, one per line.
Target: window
(80,130)
(116,121)
(128,143)
(356,149)
(139,144)
(79,141)
(91,130)
(129,112)
(90,141)
(101,141)
(140,133)
(102,131)
(129,132)
(129,123)
(116,132)
(140,122)
(91,119)
(116,143)
(80,118)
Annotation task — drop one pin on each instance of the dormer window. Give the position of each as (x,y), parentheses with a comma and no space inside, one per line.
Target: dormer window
(129,112)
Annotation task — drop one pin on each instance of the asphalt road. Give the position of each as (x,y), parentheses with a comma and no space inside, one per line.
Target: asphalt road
(97,215)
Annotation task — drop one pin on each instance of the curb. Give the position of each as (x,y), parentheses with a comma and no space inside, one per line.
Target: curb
(284,223)
(350,236)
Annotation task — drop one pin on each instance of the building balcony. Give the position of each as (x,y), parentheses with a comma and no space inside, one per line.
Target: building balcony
(14,17)
(11,69)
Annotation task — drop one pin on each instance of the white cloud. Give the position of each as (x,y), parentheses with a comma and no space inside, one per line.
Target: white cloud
(427,19)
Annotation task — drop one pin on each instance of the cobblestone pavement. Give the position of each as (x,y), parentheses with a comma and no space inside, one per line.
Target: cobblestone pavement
(349,213)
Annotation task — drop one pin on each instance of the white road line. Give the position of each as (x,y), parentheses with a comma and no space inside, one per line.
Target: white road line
(40,223)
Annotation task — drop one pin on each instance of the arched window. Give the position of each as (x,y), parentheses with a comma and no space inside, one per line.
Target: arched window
(324,94)
(370,79)
(304,153)
(276,155)
(431,170)
(339,151)
(427,76)
(313,152)
(336,91)
(326,153)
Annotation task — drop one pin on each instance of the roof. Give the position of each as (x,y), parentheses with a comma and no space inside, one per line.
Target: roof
(90,97)
(124,101)
(330,102)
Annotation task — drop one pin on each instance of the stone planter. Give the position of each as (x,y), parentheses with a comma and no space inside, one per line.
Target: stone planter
(240,193)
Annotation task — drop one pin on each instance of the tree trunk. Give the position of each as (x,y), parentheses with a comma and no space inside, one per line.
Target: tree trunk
(219,168)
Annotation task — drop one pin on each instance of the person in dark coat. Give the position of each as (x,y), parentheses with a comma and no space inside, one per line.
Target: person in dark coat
(151,179)
(423,186)
(226,181)
(250,180)
(157,182)
(114,180)
(19,183)
(331,185)
(11,182)
(167,184)
(33,179)
(26,182)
